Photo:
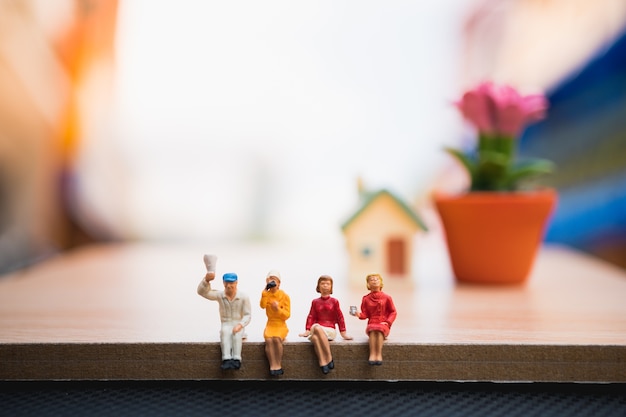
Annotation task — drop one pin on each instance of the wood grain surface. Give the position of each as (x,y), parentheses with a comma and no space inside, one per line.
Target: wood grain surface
(130,311)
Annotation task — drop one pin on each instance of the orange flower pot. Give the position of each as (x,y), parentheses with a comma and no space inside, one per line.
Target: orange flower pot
(494,237)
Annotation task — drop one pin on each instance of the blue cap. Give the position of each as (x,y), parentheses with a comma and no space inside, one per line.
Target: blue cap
(230,277)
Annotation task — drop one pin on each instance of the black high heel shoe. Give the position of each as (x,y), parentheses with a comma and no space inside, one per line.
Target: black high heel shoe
(326,368)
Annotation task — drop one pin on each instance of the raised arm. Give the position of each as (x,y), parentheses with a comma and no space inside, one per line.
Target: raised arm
(204,287)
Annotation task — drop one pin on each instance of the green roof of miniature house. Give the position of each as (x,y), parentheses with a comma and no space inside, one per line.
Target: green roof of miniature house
(369,197)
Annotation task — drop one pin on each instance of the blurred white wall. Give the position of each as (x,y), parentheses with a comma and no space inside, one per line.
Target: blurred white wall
(250,119)
(235,120)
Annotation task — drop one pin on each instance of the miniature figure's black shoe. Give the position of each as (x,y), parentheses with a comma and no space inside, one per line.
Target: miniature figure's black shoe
(326,368)
(227,364)
(276,372)
(235,364)
(375,363)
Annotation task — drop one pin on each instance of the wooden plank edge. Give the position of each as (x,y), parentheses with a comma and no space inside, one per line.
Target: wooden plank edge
(402,362)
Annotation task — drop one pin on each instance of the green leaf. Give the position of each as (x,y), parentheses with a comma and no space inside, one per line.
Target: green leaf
(526,169)
(465,160)
(531,167)
(491,171)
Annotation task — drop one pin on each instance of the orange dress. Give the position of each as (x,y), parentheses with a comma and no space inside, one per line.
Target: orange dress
(276,320)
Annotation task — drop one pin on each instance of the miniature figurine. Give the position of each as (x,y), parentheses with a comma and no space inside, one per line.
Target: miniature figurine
(380,311)
(324,316)
(277,306)
(235,313)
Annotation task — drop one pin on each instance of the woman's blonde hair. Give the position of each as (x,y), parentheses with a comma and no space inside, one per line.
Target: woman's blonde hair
(367,280)
(324,278)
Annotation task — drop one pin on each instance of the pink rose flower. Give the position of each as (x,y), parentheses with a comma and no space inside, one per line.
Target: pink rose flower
(499,110)
(500,114)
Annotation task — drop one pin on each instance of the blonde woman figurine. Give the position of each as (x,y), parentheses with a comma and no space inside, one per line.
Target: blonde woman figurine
(321,323)
(380,311)
(277,307)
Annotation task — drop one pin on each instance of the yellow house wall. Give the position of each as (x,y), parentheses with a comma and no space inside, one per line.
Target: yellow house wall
(381,220)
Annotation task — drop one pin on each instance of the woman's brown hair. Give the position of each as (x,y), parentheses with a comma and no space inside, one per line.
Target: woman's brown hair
(324,278)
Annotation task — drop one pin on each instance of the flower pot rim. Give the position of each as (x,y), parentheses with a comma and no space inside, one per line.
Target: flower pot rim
(546,192)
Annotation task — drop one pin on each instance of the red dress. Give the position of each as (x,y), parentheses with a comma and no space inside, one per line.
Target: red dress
(378,307)
(326,312)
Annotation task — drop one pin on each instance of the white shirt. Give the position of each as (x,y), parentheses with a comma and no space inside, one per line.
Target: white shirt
(237,311)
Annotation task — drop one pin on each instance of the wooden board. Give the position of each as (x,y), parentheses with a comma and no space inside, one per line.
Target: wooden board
(131,311)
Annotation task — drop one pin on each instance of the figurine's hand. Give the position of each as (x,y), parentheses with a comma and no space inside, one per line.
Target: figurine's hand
(210,276)
(305,334)
(237,328)
(274,305)
(356,314)
(345,336)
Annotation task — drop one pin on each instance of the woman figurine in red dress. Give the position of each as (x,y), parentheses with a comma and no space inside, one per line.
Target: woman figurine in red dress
(325,315)
(380,311)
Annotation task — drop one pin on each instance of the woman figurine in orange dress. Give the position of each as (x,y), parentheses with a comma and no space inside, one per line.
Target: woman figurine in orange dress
(322,322)
(277,307)
(380,311)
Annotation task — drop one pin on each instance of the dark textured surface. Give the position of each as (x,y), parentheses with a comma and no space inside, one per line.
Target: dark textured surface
(282,398)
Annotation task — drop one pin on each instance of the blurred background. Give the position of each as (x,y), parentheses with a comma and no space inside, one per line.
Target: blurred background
(195,120)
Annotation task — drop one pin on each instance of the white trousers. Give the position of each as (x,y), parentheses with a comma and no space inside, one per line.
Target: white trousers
(231,343)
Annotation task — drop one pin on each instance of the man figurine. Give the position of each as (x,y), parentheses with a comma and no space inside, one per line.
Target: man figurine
(234,314)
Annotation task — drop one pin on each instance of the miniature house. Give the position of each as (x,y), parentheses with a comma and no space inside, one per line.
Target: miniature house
(380,237)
